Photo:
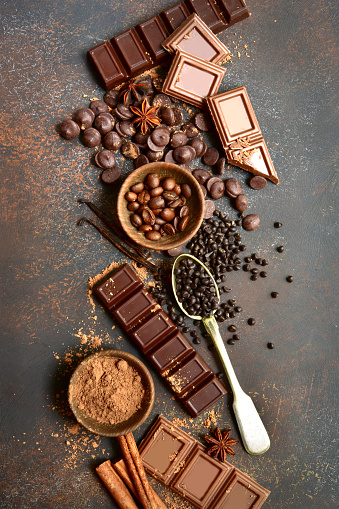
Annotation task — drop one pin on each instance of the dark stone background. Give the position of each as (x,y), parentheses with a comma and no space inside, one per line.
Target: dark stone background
(290,74)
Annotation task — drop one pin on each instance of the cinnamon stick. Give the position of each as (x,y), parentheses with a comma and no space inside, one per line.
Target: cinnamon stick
(140,468)
(120,468)
(115,486)
(133,473)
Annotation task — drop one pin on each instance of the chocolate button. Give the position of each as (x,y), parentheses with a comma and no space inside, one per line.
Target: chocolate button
(176,251)
(111,175)
(105,159)
(104,122)
(217,190)
(123,112)
(167,115)
(178,139)
(212,181)
(258,182)
(112,141)
(201,175)
(84,118)
(220,165)
(160,100)
(211,156)
(111,98)
(70,130)
(209,209)
(169,157)
(190,130)
(140,161)
(127,128)
(199,146)
(98,107)
(182,154)
(251,222)
(154,156)
(233,188)
(241,202)
(160,136)
(91,137)
(130,150)
(202,122)
(178,116)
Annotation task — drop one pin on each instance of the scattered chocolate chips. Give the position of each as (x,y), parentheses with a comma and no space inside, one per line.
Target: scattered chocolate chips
(233,188)
(274,295)
(258,182)
(91,137)
(289,279)
(277,225)
(211,156)
(241,202)
(69,129)
(270,346)
(111,175)
(280,249)
(251,321)
(85,118)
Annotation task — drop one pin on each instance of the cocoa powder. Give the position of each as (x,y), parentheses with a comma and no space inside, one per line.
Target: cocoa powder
(109,390)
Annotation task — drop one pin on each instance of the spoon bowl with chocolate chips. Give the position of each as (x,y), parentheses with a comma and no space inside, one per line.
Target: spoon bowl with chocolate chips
(197,295)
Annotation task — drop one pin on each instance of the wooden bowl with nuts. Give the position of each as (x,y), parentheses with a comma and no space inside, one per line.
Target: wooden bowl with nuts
(160,206)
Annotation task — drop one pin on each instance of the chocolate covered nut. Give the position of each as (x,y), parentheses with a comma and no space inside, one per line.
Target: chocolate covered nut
(168,183)
(209,209)
(111,98)
(220,165)
(130,150)
(153,235)
(233,188)
(111,175)
(137,188)
(211,156)
(140,161)
(251,222)
(160,136)
(105,159)
(201,175)
(69,129)
(98,107)
(152,180)
(91,137)
(186,191)
(202,122)
(241,202)
(178,139)
(84,118)
(258,182)
(199,146)
(104,122)
(190,130)
(136,220)
(112,141)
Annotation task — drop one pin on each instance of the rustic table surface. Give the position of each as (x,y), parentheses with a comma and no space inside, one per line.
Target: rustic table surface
(286,56)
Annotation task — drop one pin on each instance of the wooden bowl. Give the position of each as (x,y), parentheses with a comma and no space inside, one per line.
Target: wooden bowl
(122,428)
(196,204)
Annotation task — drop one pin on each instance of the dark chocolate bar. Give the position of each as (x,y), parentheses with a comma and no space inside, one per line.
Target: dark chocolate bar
(140,48)
(181,463)
(187,374)
(240,134)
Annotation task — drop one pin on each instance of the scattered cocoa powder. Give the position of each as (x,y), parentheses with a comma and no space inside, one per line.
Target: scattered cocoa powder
(109,390)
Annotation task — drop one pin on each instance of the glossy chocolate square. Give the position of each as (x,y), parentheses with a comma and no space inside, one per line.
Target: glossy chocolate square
(233,10)
(164,450)
(233,115)
(131,52)
(201,478)
(208,12)
(205,396)
(171,353)
(153,331)
(189,375)
(174,16)
(241,492)
(107,64)
(192,79)
(195,38)
(153,32)
(135,309)
(117,287)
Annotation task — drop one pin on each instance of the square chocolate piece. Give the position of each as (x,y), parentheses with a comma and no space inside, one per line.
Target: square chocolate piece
(131,52)
(233,10)
(192,79)
(233,115)
(117,287)
(135,309)
(241,493)
(206,395)
(174,16)
(153,32)
(153,331)
(195,38)
(171,353)
(164,450)
(107,64)
(202,478)
(189,375)
(208,12)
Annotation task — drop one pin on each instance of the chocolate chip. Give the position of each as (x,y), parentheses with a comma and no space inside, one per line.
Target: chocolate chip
(69,129)
(111,175)
(263,274)
(251,321)
(274,295)
(178,139)
(112,141)
(202,122)
(241,202)
(289,279)
(123,112)
(211,156)
(105,159)
(169,157)
(154,156)
(270,346)
(152,146)
(84,118)
(209,209)
(104,122)
(233,188)
(190,130)
(201,175)
(111,98)
(167,115)
(220,165)
(161,100)
(127,128)
(98,107)
(251,222)
(176,251)
(91,137)
(200,146)
(182,154)
(231,341)
(280,249)
(130,150)
(258,182)
(217,190)
(232,328)
(140,161)
(178,116)
(160,136)
(277,225)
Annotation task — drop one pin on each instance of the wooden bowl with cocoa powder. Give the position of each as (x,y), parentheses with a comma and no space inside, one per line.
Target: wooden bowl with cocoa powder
(120,376)
(195,203)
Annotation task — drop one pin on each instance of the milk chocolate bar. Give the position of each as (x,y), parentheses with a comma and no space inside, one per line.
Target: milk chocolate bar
(181,463)
(192,79)
(160,340)
(240,134)
(195,38)
(140,48)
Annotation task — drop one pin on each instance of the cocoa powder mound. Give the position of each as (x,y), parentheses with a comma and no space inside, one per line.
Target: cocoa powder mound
(109,390)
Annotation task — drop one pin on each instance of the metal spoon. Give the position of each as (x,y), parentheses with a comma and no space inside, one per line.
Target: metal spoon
(254,435)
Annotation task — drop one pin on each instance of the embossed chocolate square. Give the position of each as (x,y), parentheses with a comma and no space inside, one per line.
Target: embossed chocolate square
(192,79)
(195,38)
(241,492)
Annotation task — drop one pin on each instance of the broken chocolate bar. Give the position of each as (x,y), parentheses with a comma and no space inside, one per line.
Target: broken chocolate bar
(142,318)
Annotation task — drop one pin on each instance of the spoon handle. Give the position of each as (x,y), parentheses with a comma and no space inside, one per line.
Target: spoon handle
(253,433)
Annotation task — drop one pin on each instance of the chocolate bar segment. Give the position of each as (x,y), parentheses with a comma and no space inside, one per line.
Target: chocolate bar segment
(182,464)
(207,11)
(174,16)
(192,79)
(195,38)
(233,10)
(107,64)
(123,294)
(131,52)
(152,32)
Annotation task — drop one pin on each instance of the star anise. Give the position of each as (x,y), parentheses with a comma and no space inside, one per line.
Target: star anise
(133,90)
(221,444)
(146,116)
